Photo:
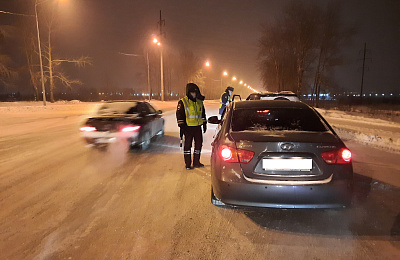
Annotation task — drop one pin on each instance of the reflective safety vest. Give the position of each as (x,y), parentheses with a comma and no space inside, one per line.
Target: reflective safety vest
(224,104)
(193,111)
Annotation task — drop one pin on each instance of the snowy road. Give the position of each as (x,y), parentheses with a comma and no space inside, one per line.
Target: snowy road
(62,200)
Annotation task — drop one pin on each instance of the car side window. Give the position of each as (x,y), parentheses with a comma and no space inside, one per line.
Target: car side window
(151,109)
(142,109)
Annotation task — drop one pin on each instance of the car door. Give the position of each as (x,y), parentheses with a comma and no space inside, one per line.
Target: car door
(146,118)
(156,119)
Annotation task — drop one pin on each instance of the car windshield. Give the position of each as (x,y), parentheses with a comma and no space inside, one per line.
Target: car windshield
(118,108)
(276,119)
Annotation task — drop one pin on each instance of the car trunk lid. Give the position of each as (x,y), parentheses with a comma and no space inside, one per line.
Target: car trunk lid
(286,155)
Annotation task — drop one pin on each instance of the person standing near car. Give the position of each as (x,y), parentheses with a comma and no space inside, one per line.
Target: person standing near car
(191,115)
(225,99)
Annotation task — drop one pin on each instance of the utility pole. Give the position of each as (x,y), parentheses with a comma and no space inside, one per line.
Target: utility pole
(161,23)
(363,68)
(148,74)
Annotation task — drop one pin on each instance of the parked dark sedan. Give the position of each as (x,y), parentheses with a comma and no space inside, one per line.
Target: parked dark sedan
(278,154)
(135,122)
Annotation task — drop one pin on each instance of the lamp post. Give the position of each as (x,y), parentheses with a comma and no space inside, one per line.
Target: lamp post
(148,67)
(148,74)
(40,55)
(155,40)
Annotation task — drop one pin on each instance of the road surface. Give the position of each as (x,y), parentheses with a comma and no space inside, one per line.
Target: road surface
(62,200)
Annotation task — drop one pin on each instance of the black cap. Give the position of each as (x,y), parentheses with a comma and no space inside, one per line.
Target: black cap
(229,88)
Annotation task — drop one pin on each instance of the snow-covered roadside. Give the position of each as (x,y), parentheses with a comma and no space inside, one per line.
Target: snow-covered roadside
(363,129)
(371,131)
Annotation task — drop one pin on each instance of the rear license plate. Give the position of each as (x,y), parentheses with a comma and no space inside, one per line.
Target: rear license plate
(290,164)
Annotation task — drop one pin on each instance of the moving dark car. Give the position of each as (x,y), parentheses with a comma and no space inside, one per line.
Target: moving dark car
(278,154)
(135,122)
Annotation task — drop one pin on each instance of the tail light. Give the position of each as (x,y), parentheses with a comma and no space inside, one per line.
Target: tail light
(341,156)
(230,154)
(130,128)
(88,128)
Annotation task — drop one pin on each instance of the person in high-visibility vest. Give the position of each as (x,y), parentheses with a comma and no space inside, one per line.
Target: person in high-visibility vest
(191,116)
(225,99)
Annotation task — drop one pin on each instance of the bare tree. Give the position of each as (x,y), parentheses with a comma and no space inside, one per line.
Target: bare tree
(190,69)
(301,29)
(52,69)
(301,44)
(6,71)
(332,35)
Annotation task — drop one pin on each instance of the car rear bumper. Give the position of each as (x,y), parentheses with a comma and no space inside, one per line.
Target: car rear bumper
(335,194)
(109,137)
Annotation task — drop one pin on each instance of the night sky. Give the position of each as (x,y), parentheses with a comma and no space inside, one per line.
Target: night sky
(225,32)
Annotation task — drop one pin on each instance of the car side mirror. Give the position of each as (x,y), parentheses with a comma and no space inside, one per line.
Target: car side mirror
(159,112)
(233,99)
(214,120)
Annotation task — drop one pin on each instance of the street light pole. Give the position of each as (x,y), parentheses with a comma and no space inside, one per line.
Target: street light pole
(40,55)
(148,74)
(162,73)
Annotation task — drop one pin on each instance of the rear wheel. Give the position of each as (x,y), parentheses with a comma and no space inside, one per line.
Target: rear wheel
(145,142)
(214,200)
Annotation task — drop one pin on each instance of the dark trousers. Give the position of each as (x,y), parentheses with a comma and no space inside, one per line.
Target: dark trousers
(192,132)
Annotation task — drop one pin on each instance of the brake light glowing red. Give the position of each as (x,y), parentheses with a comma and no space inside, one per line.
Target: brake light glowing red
(226,153)
(341,156)
(88,128)
(230,154)
(345,154)
(131,128)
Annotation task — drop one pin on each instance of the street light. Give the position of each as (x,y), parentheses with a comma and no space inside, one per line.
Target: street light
(233,78)
(223,74)
(241,82)
(155,40)
(207,64)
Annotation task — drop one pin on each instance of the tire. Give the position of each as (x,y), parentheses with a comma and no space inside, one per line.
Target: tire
(215,201)
(146,141)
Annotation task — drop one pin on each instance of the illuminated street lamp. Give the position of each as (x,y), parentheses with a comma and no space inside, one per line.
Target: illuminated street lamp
(241,82)
(155,40)
(233,78)
(245,84)
(223,74)
(207,64)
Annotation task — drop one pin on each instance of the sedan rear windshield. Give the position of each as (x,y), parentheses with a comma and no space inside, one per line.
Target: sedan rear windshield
(276,119)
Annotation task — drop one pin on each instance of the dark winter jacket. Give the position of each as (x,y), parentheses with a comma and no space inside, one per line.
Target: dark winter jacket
(180,110)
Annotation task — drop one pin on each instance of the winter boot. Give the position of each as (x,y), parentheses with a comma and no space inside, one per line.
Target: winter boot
(196,160)
(188,160)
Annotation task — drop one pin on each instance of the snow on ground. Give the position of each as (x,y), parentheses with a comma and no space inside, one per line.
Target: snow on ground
(361,128)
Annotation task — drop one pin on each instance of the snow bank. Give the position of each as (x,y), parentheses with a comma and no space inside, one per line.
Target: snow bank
(379,133)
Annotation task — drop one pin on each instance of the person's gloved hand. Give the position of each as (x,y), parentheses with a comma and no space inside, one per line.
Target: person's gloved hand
(204,127)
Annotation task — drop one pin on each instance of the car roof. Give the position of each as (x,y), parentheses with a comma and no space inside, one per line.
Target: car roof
(269,103)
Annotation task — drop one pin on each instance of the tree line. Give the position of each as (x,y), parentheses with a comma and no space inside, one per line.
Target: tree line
(299,48)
